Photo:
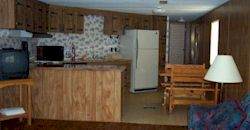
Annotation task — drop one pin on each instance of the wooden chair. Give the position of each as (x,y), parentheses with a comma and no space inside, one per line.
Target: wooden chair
(186,81)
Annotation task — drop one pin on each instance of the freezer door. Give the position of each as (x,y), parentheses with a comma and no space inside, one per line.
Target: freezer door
(148,39)
(128,43)
(146,69)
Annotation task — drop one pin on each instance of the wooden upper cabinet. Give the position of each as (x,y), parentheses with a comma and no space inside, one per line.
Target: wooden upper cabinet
(79,22)
(40,17)
(108,24)
(146,22)
(20,14)
(37,17)
(68,20)
(23,14)
(130,21)
(113,24)
(55,19)
(29,15)
(117,25)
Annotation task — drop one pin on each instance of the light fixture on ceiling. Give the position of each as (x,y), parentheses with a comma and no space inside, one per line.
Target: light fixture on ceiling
(159,8)
(181,20)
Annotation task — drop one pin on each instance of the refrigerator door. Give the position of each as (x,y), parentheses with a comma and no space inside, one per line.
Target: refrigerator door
(148,39)
(146,69)
(127,43)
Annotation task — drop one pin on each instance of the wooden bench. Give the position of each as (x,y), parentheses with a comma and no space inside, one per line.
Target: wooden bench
(186,86)
(21,83)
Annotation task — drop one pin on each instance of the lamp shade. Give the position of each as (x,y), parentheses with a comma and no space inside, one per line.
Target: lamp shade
(223,70)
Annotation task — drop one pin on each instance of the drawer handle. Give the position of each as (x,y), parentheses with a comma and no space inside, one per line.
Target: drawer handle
(70,14)
(18,24)
(18,3)
(69,29)
(53,13)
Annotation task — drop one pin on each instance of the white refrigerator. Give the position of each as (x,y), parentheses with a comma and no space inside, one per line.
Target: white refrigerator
(142,47)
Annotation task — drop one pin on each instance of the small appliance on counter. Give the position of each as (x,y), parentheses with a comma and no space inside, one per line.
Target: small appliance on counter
(50,56)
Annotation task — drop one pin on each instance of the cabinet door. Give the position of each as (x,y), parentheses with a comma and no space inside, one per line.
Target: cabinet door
(146,22)
(29,15)
(108,24)
(117,27)
(79,28)
(69,20)
(40,17)
(20,14)
(45,12)
(134,21)
(126,21)
(37,17)
(55,19)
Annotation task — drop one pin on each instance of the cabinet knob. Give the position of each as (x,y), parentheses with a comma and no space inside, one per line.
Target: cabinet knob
(69,29)
(18,3)
(28,25)
(18,24)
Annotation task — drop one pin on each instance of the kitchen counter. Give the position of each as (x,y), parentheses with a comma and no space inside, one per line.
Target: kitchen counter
(123,65)
(84,67)
(78,92)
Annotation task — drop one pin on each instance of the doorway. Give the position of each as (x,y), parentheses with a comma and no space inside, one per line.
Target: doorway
(176,43)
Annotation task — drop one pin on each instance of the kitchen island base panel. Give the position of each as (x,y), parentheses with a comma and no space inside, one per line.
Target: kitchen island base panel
(77,94)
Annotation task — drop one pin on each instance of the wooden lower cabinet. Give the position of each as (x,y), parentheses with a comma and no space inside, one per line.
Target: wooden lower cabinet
(77,94)
(126,74)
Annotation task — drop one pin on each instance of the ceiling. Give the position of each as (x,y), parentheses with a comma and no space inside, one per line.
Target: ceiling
(187,9)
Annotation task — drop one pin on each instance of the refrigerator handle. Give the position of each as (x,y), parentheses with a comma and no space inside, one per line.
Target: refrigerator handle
(136,50)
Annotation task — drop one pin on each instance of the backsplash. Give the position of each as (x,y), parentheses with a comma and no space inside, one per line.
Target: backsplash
(91,44)
(16,44)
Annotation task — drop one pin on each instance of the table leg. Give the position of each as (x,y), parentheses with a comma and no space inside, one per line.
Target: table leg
(20,99)
(29,106)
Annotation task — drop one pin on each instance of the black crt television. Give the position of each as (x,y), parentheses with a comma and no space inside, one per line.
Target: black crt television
(50,53)
(14,64)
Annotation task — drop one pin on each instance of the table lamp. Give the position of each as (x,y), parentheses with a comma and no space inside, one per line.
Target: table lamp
(223,70)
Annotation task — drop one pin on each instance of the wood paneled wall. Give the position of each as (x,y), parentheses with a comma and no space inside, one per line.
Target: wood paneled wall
(234,39)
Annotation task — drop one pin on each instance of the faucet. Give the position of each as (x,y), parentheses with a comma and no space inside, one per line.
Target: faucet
(73,52)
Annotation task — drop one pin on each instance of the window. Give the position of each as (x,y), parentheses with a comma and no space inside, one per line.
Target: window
(214,41)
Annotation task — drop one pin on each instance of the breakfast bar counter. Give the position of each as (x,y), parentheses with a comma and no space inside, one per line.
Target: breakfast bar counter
(78,92)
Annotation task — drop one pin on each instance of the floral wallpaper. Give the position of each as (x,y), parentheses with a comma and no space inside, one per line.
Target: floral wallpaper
(15,43)
(91,44)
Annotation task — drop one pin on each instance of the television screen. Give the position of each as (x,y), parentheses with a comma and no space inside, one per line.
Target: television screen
(50,53)
(14,64)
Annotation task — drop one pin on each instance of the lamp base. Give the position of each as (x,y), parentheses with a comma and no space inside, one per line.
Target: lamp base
(222,93)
